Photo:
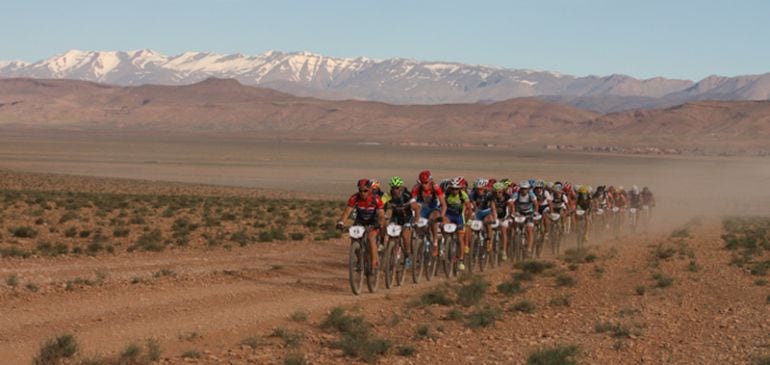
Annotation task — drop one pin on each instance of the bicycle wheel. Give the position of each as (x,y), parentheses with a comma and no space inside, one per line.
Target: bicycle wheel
(400,261)
(482,254)
(389,264)
(430,261)
(356,267)
(372,274)
(417,257)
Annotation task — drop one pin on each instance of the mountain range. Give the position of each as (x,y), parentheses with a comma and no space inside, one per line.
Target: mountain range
(394,81)
(226,107)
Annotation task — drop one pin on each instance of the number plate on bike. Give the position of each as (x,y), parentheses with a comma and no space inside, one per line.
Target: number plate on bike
(422,222)
(599,211)
(520,219)
(632,210)
(394,230)
(615,209)
(555,216)
(450,227)
(580,212)
(356,231)
(476,225)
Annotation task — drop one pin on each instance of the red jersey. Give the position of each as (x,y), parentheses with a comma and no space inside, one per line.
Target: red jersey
(427,195)
(366,209)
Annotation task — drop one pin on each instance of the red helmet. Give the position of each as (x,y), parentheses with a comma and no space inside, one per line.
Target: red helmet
(364,183)
(463,182)
(567,187)
(491,183)
(425,177)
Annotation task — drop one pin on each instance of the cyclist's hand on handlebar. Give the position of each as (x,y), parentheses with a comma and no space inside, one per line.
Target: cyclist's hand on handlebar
(340,225)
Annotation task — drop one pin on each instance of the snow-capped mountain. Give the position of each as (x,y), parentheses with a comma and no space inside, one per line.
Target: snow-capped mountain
(400,81)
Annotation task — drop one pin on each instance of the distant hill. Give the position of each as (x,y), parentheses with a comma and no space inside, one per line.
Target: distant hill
(395,81)
(226,106)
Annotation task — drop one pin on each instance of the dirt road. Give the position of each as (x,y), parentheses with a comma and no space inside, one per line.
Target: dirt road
(211,300)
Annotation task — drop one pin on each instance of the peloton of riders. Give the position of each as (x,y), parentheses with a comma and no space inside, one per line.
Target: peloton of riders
(488,201)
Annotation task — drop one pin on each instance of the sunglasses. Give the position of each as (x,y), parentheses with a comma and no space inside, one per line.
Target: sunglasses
(363,190)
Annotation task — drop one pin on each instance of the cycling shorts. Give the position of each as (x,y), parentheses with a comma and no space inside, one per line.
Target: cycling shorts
(483,213)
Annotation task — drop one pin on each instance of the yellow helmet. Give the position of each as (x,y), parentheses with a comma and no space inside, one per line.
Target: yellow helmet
(583,189)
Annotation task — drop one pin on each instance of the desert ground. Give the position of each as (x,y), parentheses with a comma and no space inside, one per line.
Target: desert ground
(176,249)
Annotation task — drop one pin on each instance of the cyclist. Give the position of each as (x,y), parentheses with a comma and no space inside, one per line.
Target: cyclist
(376,188)
(369,213)
(584,202)
(544,199)
(398,202)
(458,211)
(525,203)
(647,198)
(634,198)
(503,203)
(432,204)
(484,206)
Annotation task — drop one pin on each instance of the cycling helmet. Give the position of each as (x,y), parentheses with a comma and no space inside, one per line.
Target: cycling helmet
(425,177)
(635,189)
(364,183)
(600,188)
(463,182)
(375,184)
(507,182)
(645,190)
(498,186)
(583,189)
(539,184)
(531,182)
(481,183)
(396,182)
(525,185)
(456,182)
(491,183)
(558,187)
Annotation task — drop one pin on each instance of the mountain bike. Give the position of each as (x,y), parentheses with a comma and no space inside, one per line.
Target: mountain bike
(580,227)
(478,248)
(359,264)
(394,257)
(556,230)
(451,248)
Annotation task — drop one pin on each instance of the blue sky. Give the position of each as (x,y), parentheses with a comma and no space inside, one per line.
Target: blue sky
(679,39)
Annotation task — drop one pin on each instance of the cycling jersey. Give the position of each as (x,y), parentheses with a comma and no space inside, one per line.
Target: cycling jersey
(455,208)
(524,203)
(455,203)
(481,200)
(400,206)
(635,200)
(647,198)
(602,199)
(501,203)
(543,200)
(560,202)
(584,201)
(365,209)
(427,196)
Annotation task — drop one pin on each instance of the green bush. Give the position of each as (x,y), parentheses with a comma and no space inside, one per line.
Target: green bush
(55,350)
(482,317)
(558,355)
(438,296)
(23,232)
(510,287)
(472,292)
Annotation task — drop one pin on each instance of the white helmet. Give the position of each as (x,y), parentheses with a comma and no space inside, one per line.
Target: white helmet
(481,183)
(524,185)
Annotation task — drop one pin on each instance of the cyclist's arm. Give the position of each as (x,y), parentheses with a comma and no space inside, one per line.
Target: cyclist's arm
(442,199)
(345,214)
(493,206)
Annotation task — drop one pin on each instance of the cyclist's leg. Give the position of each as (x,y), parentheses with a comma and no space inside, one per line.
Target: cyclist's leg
(434,231)
(373,246)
